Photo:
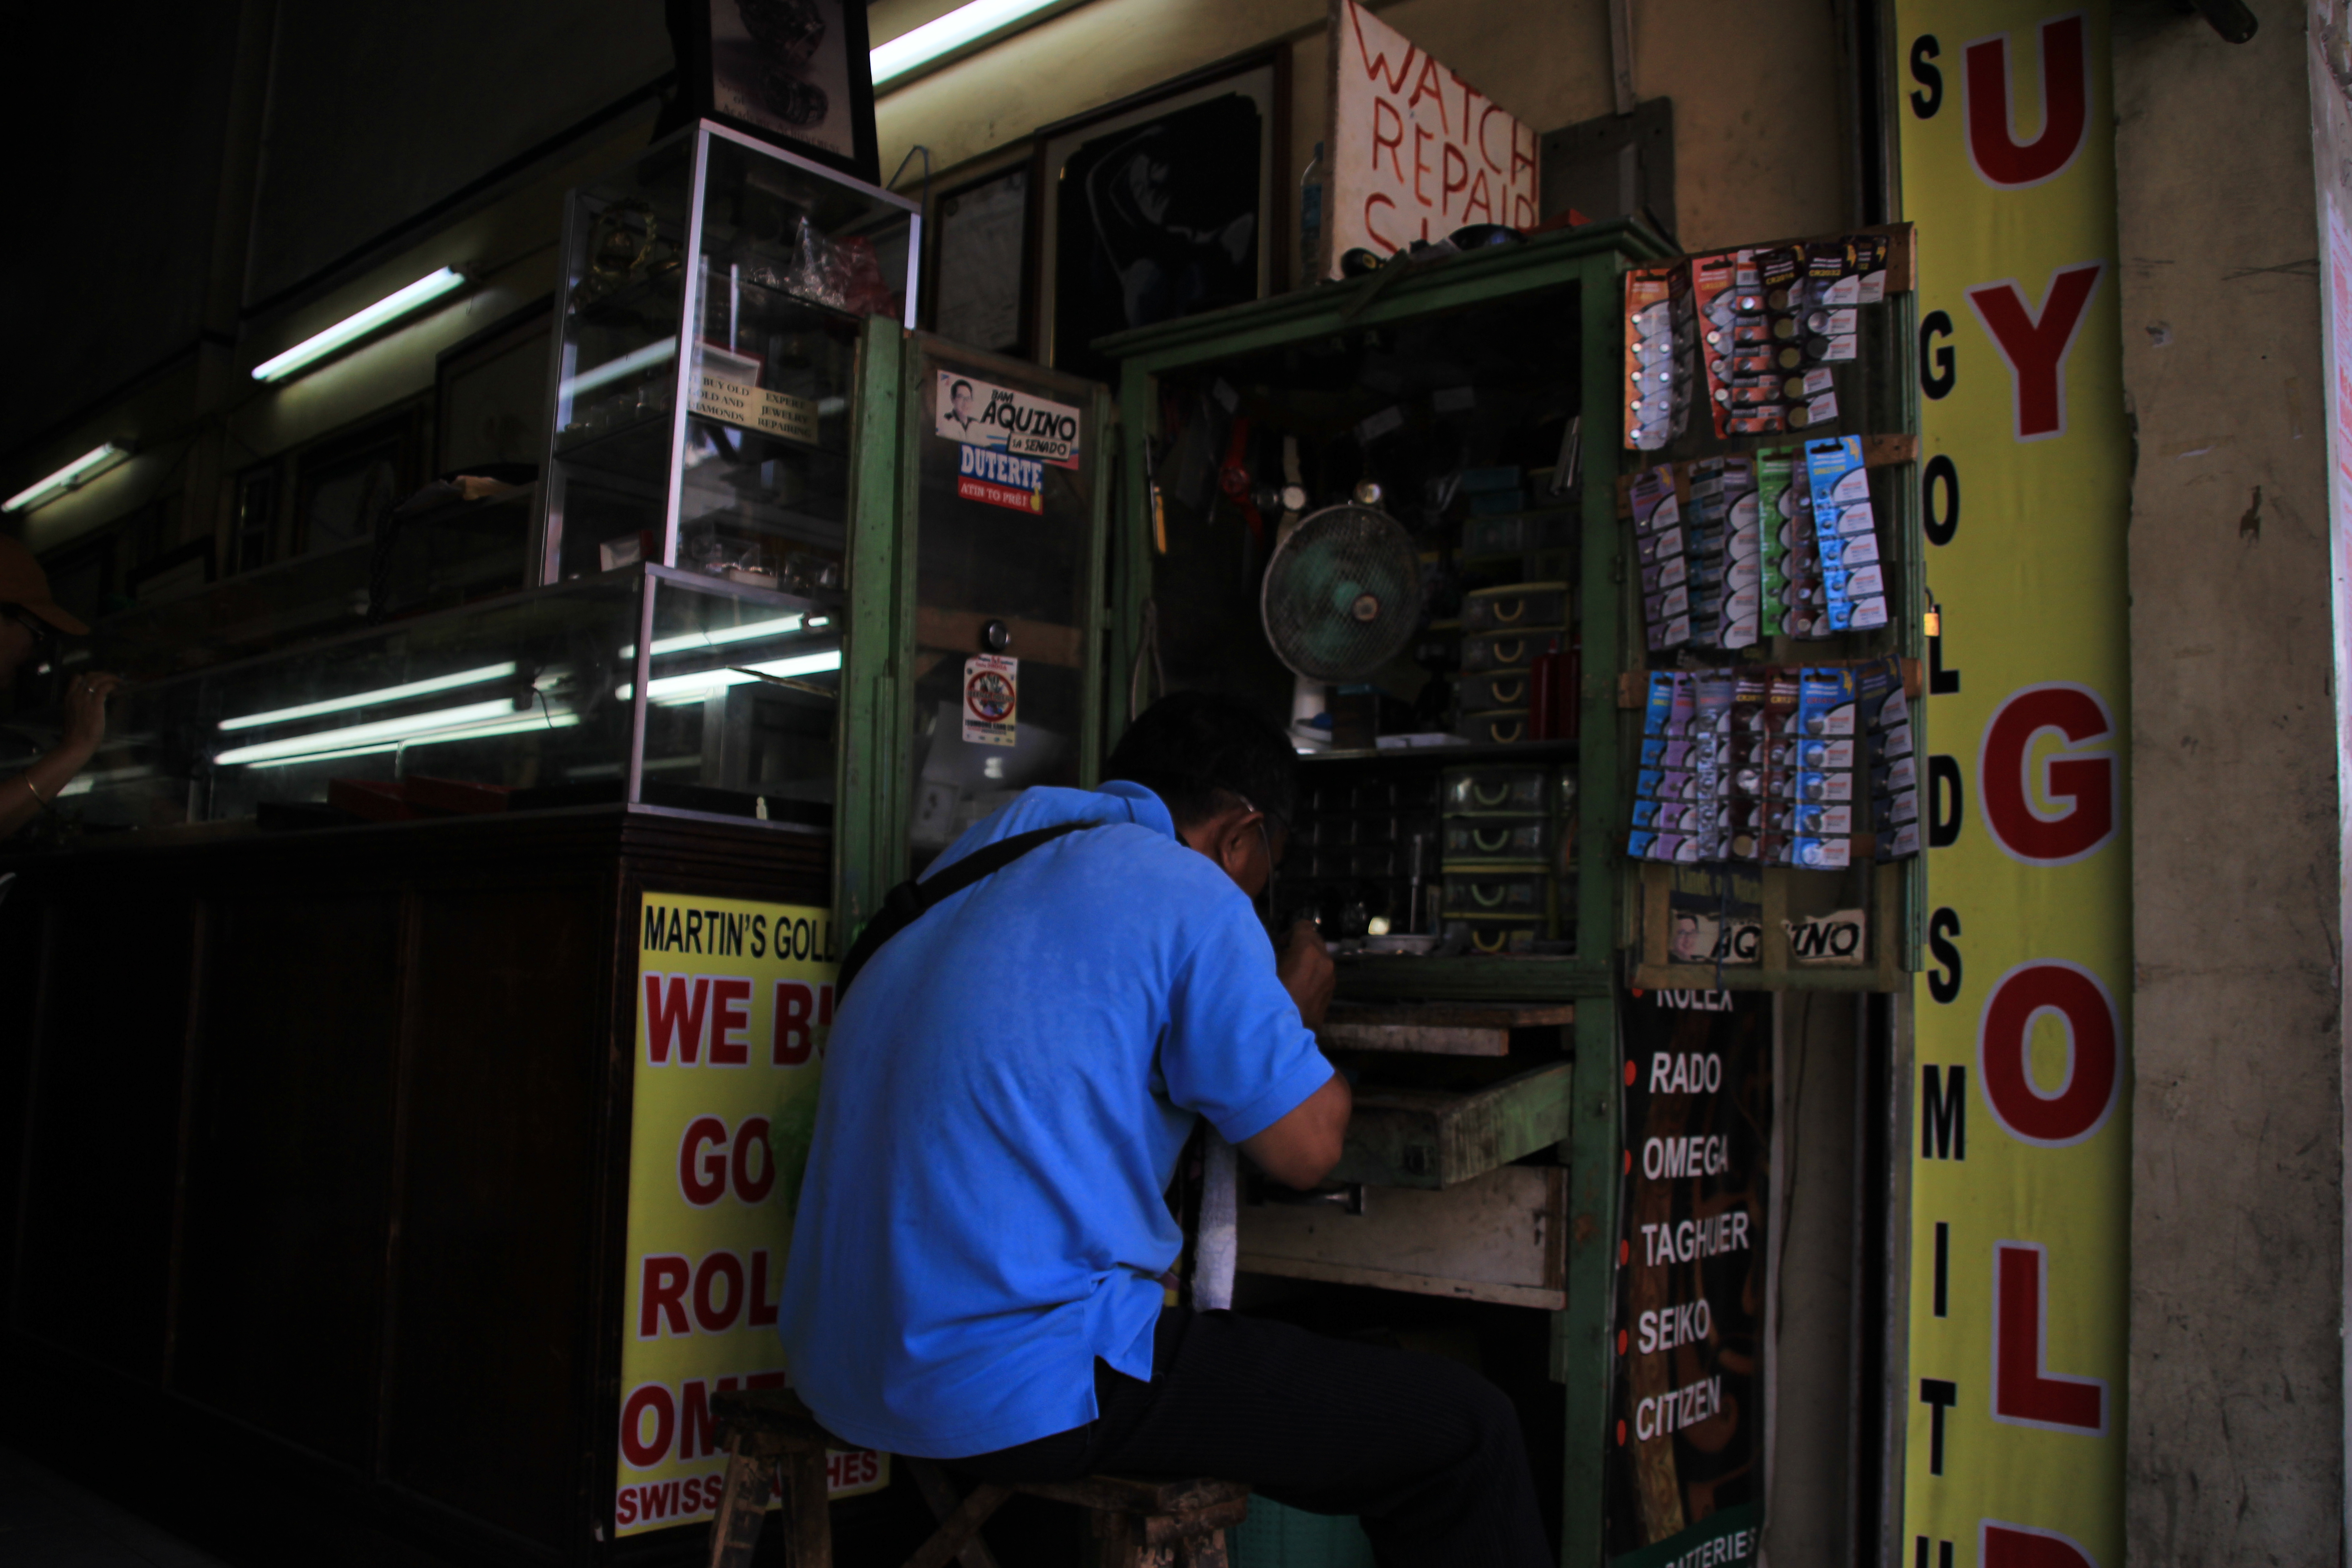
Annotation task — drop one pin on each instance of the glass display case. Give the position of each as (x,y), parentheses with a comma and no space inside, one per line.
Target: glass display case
(434,559)
(665,689)
(713,299)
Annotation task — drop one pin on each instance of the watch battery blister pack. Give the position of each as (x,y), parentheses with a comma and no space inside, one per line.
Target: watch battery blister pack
(1661,338)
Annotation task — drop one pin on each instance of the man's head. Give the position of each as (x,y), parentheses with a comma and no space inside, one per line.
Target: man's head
(1688,943)
(1227,774)
(960,398)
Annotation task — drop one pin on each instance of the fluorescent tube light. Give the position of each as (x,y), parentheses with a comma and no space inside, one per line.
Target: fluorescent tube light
(368,699)
(946,33)
(471,717)
(72,477)
(782,626)
(673,689)
(612,370)
(354,327)
(459,733)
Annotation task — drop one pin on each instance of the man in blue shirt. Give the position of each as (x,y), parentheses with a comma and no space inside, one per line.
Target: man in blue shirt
(976,1264)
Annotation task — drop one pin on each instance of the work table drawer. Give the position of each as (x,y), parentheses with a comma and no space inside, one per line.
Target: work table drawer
(1501,1236)
(1433,1137)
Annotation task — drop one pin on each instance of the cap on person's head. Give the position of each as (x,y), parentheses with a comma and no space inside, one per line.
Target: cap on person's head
(24,585)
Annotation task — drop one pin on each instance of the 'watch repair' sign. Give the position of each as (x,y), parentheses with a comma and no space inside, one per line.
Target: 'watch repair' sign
(1416,152)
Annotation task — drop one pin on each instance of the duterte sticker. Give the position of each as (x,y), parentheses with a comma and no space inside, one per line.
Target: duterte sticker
(992,699)
(988,476)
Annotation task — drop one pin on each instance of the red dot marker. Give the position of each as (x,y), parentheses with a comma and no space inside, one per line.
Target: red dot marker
(1628,1162)
(1621,1342)
(1620,1434)
(1629,1075)
(1624,1253)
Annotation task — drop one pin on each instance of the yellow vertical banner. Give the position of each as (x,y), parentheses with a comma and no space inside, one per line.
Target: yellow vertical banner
(2022,1136)
(734,1001)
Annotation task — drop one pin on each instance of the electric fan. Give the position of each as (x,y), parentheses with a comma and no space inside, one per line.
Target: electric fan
(1341,598)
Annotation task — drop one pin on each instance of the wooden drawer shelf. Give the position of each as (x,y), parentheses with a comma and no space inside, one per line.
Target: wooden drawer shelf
(1438,1028)
(1500,1237)
(1430,1138)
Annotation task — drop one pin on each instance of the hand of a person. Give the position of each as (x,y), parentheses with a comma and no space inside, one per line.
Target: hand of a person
(86,697)
(1306,971)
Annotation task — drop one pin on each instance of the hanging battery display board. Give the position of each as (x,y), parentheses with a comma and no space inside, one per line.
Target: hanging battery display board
(1687,1436)
(2020,1144)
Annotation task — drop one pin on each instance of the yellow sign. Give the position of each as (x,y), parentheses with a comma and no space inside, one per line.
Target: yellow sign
(734,1002)
(2021,1137)
(755,408)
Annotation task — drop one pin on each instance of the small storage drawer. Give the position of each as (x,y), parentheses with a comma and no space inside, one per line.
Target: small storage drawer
(1500,840)
(1503,689)
(1525,894)
(1502,1236)
(1497,791)
(1523,606)
(1508,728)
(1506,650)
(1490,937)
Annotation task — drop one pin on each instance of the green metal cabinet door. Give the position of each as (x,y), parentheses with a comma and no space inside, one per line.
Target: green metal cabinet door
(976,582)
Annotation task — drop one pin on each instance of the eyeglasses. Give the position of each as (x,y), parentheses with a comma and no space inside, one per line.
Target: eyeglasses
(1266,839)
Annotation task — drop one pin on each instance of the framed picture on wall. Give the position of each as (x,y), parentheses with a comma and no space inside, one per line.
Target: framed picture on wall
(174,575)
(252,536)
(793,72)
(346,483)
(489,397)
(1159,207)
(977,273)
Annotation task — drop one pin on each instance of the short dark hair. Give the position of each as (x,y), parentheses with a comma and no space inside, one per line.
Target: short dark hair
(1197,750)
(958,386)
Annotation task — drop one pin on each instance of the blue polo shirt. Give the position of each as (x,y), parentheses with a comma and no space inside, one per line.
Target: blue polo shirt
(1007,1088)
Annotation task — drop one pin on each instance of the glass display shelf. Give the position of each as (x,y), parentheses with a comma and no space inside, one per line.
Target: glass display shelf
(704,361)
(539,701)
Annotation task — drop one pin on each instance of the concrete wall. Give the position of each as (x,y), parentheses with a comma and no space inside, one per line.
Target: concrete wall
(277,202)
(1761,154)
(377,112)
(238,198)
(1760,145)
(2235,1412)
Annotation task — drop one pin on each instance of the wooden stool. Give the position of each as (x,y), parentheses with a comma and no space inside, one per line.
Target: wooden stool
(1137,1523)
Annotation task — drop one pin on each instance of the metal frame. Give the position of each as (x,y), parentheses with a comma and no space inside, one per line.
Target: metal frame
(651,577)
(547,524)
(1590,259)
(870,855)
(872,759)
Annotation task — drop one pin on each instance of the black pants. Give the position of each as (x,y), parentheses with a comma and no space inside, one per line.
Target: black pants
(1426,1451)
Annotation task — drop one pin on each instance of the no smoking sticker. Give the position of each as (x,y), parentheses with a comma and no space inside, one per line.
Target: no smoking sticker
(992,699)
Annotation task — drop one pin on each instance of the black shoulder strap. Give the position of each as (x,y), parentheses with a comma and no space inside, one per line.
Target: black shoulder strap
(909,901)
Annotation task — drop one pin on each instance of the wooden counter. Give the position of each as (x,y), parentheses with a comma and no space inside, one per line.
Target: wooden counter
(313,1169)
